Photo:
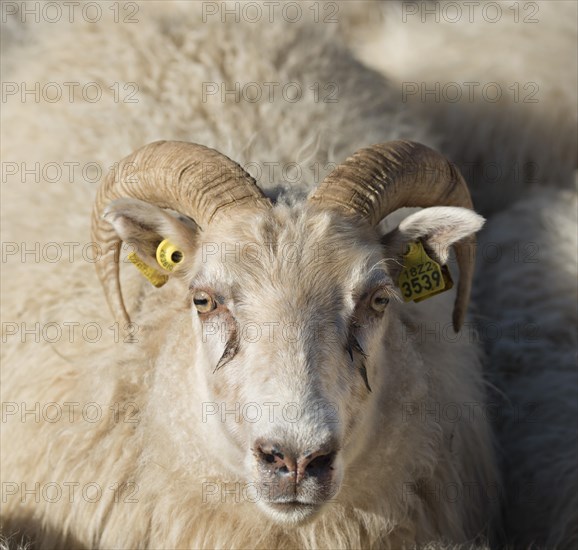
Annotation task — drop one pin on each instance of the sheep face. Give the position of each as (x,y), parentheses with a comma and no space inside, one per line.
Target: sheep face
(290,314)
(285,309)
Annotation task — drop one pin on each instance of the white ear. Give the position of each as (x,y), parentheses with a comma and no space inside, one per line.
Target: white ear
(439,227)
(144,226)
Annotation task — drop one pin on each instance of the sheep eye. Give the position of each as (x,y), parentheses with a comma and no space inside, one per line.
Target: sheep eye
(204,302)
(379,300)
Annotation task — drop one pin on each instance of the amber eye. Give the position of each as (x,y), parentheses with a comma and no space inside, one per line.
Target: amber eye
(203,301)
(379,300)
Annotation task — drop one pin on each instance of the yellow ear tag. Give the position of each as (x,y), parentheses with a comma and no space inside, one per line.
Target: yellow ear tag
(168,255)
(422,277)
(157,279)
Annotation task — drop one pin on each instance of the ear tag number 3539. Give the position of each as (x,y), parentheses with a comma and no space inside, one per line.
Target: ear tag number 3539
(422,277)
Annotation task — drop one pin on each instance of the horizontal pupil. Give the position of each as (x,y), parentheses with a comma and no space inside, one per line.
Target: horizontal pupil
(201,301)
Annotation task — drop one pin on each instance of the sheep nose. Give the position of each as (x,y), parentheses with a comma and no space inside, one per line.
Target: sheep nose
(281,462)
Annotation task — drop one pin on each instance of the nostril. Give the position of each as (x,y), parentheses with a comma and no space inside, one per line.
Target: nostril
(320,463)
(268,457)
(270,454)
(273,458)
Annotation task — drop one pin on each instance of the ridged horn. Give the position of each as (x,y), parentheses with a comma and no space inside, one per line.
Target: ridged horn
(192,179)
(380,179)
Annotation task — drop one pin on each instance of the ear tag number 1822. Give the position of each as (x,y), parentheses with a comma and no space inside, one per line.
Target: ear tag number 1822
(422,277)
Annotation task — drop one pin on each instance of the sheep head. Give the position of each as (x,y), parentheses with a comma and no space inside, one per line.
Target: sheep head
(292,309)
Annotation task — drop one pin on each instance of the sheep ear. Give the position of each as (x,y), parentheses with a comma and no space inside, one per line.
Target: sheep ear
(143,226)
(437,228)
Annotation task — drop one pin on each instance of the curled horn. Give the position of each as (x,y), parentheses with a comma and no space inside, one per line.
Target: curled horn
(382,178)
(196,181)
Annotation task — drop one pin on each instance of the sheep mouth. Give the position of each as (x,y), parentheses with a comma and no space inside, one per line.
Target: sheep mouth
(291,512)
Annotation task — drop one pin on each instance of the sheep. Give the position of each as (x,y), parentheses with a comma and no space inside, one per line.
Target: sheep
(438,454)
(535,363)
(377,467)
